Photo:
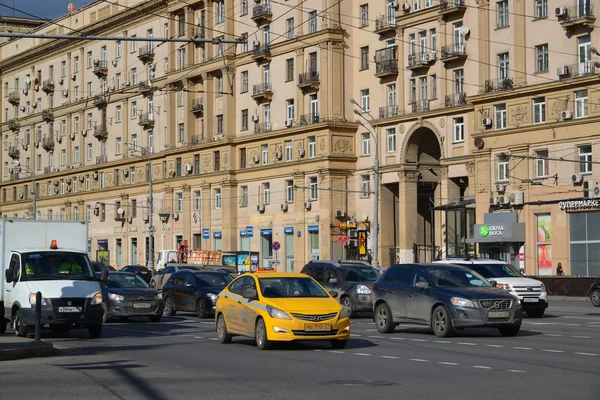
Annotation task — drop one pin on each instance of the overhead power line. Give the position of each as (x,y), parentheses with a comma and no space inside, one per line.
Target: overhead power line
(118,38)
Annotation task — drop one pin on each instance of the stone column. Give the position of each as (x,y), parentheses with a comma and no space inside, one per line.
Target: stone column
(299,69)
(520,46)
(187,214)
(483,33)
(408,213)
(446,75)
(207,208)
(209,104)
(300,243)
(228,105)
(400,92)
(229,216)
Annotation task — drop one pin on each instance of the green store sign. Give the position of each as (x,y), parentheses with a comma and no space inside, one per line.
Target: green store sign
(484,231)
(493,230)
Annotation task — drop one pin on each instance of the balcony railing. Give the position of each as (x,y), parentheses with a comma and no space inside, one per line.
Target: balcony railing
(262,13)
(455,99)
(146,87)
(453,52)
(50,170)
(492,85)
(388,111)
(385,23)
(198,105)
(100,68)
(101,159)
(421,60)
(262,127)
(14,151)
(146,119)
(575,70)
(14,98)
(261,52)
(100,101)
(451,6)
(48,115)
(308,119)
(100,132)
(146,53)
(386,61)
(199,32)
(197,139)
(48,85)
(13,124)
(262,91)
(579,15)
(48,143)
(308,79)
(420,106)
(14,176)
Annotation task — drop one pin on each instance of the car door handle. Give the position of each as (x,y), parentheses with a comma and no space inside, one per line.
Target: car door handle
(239,302)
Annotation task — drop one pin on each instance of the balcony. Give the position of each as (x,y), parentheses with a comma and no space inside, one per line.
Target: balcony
(14,176)
(579,16)
(261,54)
(48,86)
(308,80)
(197,139)
(449,7)
(420,106)
(146,120)
(48,115)
(48,143)
(455,99)
(576,70)
(494,85)
(50,170)
(262,14)
(386,62)
(100,101)
(146,54)
(100,132)
(308,119)
(146,88)
(385,24)
(14,151)
(420,60)
(455,52)
(262,92)
(262,127)
(100,68)
(388,111)
(14,98)
(13,124)
(198,105)
(101,159)
(199,32)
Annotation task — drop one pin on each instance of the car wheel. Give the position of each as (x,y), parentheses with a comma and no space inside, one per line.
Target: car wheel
(383,319)
(155,318)
(222,334)
(59,329)
(169,307)
(441,322)
(595,297)
(347,303)
(106,315)
(509,330)
(535,313)
(339,344)
(260,334)
(20,329)
(95,331)
(201,309)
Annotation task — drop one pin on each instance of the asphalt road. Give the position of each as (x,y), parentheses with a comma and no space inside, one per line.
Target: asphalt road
(555,357)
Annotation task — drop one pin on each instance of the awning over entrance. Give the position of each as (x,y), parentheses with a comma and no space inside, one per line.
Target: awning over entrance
(499,227)
(456,205)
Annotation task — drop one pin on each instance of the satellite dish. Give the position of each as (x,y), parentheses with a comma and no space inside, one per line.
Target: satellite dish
(63,100)
(120,211)
(27,80)
(479,143)
(464,30)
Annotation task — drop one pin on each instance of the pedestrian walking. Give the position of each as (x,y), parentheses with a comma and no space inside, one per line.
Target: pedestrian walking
(559,270)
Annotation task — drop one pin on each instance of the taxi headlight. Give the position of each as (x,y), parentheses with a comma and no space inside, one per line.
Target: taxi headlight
(213,297)
(277,313)
(33,301)
(96,299)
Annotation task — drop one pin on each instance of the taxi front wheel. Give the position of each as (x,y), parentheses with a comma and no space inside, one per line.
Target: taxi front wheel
(261,335)
(222,334)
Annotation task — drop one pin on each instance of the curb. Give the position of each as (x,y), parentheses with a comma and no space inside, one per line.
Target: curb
(568,298)
(20,351)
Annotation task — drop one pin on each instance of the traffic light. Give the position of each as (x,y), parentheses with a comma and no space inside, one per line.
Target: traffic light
(362,243)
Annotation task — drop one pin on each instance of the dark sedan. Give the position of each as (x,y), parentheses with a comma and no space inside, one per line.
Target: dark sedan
(594,294)
(127,295)
(445,297)
(194,291)
(140,270)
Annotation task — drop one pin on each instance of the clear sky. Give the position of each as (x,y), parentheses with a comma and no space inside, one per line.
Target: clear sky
(49,9)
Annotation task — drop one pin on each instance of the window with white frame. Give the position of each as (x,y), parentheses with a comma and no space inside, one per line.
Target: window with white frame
(63,157)
(500,116)
(119,145)
(220,11)
(180,97)
(539,110)
(134,77)
(89,59)
(581,103)
(289,28)
(391,140)
(503,66)
(218,198)
(366,144)
(197,200)
(416,5)
(265,154)
(119,113)
(541,163)
(179,202)
(101,179)
(288,150)
(134,109)
(290,111)
(244,196)
(365,100)
(76,154)
(541,8)
(312,147)
(366,186)
(266,193)
(133,45)
(312,22)
(132,175)
(88,183)
(289,191)
(181,58)
(459,129)
(502,14)
(503,173)
(433,86)
(541,58)
(244,10)
(585,159)
(314,188)
(219,86)
(90,152)
(244,78)
(364,15)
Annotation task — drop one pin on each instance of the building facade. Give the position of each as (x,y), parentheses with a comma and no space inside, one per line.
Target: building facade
(473,108)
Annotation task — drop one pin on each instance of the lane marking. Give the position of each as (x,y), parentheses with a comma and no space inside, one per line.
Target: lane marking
(198,337)
(442,341)
(355,335)
(586,354)
(418,340)
(582,337)
(522,348)
(375,337)
(481,367)
(391,357)
(207,323)
(212,338)
(398,338)
(337,351)
(553,351)
(361,354)
(370,330)
(467,344)
(494,345)
(553,335)
(571,324)
(517,371)
(448,363)
(418,360)
(317,349)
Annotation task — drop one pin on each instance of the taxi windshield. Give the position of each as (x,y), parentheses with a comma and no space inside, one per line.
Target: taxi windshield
(290,287)
(55,265)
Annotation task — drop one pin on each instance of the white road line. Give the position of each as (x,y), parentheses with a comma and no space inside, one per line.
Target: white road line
(418,360)
(553,351)
(390,357)
(212,338)
(370,330)
(207,323)
(337,351)
(481,367)
(198,337)
(376,337)
(586,354)
(355,335)
(361,354)
(571,324)
(137,331)
(522,348)
(517,371)
(494,345)
(317,349)
(447,363)
(582,337)
(442,341)
(418,340)
(553,334)
(467,344)
(398,338)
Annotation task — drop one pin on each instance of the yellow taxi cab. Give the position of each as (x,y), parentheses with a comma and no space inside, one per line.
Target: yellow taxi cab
(280,307)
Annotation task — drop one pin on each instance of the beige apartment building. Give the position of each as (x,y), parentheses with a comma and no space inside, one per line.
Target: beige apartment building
(484,115)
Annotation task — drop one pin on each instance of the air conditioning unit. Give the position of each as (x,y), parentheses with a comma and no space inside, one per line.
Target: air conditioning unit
(68,180)
(301,152)
(96,211)
(175,215)
(215,138)
(429,56)
(278,155)
(84,132)
(353,234)
(487,122)
(55,183)
(95,175)
(566,115)
(516,198)
(81,178)
(130,220)
(96,62)
(394,4)
(255,118)
(125,172)
(188,168)
(339,213)
(284,207)
(406,7)
(256,159)
(307,205)
(504,200)
(74,77)
(120,211)
(20,195)
(494,201)
(146,219)
(288,123)
(560,12)
(72,136)
(500,187)
(594,192)
(260,208)
(128,83)
(576,178)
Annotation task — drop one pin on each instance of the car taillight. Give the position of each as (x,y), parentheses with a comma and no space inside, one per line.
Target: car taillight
(136,272)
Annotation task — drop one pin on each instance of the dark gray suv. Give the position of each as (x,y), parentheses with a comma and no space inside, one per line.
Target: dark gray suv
(351,279)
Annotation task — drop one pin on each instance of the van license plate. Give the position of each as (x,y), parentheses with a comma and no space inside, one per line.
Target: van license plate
(141,305)
(531,300)
(498,314)
(69,309)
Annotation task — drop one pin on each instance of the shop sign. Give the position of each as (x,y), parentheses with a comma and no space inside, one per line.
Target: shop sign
(574,205)
(492,230)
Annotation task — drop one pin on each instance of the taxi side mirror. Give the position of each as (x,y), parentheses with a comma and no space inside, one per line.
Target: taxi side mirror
(104,276)
(494,283)
(250,294)
(333,294)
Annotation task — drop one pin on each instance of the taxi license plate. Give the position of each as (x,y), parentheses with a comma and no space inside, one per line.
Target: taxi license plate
(531,300)
(498,314)
(69,309)
(141,305)
(317,327)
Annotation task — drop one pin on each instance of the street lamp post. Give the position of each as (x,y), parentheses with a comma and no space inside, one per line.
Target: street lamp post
(375,133)
(18,167)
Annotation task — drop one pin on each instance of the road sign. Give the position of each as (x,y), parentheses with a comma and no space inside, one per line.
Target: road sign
(249,231)
(276,246)
(343,239)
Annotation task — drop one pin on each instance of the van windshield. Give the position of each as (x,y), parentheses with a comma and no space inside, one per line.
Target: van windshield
(55,265)
(496,270)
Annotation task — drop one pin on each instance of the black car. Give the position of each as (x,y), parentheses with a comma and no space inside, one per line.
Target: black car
(127,295)
(194,291)
(594,294)
(140,270)
(351,279)
(445,297)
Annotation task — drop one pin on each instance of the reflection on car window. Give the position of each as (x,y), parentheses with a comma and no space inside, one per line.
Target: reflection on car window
(496,270)
(290,287)
(213,280)
(362,274)
(450,277)
(55,265)
(236,287)
(120,281)
(420,276)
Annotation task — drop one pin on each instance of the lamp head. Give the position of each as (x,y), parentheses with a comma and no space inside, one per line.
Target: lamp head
(16,163)
(356,112)
(353,101)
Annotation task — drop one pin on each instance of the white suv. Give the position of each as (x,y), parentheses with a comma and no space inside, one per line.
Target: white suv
(531,292)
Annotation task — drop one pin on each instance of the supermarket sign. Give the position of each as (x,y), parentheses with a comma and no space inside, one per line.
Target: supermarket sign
(575,205)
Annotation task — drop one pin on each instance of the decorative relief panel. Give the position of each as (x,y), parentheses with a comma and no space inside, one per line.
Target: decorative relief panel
(110,179)
(225,160)
(519,114)
(342,146)
(205,162)
(558,106)
(322,145)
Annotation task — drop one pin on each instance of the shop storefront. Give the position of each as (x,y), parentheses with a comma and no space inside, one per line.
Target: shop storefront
(584,236)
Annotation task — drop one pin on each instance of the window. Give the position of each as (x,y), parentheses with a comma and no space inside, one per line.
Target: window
(242,158)
(181,25)
(75,154)
(366,144)
(312,18)
(459,129)
(244,120)
(503,168)
(90,152)
(181,58)
(101,179)
(500,116)
(541,8)
(502,14)
(366,186)
(581,103)
(179,202)
(417,5)
(217,198)
(244,196)
(119,146)
(244,45)
(290,110)
(314,189)
(539,110)
(267,117)
(217,160)
(133,45)
(585,159)
(63,157)
(364,58)
(391,94)
(119,112)
(180,97)
(365,100)
(312,147)
(391,140)
(134,109)
(219,86)
(288,150)
(541,163)
(433,86)
(118,49)
(132,175)
(364,15)
(289,69)
(289,191)
(244,10)
(89,59)
(89,90)
(220,124)
(266,193)
(244,78)
(265,154)
(63,69)
(181,132)
(541,58)
(220,11)
(76,64)
(503,66)
(88,183)
(178,166)
(289,28)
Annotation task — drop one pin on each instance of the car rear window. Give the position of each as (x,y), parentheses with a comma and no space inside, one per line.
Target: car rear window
(359,274)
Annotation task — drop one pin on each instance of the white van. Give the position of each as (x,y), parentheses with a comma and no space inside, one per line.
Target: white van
(531,292)
(50,257)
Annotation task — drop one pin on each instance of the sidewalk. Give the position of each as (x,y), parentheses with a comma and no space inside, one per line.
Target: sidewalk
(15,348)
